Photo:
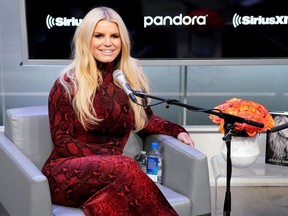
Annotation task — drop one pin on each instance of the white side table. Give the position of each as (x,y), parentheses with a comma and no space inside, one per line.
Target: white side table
(258,174)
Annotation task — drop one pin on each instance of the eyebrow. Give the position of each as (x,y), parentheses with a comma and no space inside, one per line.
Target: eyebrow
(97,32)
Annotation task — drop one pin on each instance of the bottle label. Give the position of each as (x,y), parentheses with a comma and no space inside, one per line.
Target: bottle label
(152,167)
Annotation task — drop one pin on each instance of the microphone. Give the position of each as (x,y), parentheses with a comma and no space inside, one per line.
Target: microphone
(119,76)
(279,127)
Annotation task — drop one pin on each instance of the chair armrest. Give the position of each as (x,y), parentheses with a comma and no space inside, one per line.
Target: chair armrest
(22,184)
(185,170)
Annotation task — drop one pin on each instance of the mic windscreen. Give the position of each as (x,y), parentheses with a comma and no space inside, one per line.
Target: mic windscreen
(119,77)
(117,74)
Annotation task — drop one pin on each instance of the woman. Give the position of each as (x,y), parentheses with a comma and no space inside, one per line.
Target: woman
(91,118)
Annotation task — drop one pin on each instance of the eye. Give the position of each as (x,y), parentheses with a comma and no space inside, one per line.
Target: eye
(115,36)
(97,35)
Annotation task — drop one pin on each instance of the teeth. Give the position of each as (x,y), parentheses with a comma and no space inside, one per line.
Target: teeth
(106,51)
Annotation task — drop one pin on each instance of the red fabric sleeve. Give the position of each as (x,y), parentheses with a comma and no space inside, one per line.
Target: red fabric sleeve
(158,125)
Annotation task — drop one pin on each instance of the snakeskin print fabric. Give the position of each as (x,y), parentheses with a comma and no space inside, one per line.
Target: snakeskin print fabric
(86,168)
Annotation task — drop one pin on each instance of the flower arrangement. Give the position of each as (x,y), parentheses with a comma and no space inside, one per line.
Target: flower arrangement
(248,110)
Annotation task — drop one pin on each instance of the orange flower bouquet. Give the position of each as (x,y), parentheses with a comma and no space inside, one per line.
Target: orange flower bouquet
(248,110)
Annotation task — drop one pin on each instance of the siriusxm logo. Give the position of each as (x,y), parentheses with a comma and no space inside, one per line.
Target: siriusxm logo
(61,21)
(176,20)
(259,20)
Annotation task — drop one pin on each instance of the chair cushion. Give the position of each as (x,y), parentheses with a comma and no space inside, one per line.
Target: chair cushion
(66,211)
(133,146)
(28,128)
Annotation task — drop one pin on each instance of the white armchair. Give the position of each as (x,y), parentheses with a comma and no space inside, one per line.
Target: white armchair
(26,143)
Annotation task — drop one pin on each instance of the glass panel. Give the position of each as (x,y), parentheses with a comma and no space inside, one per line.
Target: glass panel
(166,83)
(209,86)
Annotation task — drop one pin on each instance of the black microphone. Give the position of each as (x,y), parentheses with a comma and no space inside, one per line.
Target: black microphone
(119,76)
(279,127)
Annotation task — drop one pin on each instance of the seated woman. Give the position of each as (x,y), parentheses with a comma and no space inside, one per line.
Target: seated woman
(91,118)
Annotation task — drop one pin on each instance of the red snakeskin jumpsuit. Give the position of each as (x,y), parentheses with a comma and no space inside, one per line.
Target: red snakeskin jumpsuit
(86,168)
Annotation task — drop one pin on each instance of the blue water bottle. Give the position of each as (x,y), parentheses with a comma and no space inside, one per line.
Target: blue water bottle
(154,163)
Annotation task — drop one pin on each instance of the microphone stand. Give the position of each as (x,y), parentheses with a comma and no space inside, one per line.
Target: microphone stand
(279,128)
(229,125)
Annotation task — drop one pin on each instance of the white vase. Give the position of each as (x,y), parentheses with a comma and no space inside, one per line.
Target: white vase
(244,151)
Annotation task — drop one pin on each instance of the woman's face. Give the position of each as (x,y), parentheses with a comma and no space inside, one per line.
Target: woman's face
(106,42)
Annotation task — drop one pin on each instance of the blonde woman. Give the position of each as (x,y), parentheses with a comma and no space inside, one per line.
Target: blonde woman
(91,118)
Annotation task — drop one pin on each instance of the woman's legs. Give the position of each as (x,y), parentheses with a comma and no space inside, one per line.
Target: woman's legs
(108,185)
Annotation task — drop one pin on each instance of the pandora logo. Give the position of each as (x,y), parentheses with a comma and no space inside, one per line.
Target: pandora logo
(176,20)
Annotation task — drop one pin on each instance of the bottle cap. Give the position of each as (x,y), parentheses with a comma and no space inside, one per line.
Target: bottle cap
(143,152)
(154,145)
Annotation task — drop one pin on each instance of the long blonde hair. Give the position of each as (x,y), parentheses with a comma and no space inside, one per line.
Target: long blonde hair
(86,77)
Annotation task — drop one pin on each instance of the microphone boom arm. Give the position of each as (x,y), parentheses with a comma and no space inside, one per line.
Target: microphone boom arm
(227,117)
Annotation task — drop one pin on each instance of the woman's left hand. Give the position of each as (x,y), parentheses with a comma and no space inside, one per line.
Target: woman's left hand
(185,138)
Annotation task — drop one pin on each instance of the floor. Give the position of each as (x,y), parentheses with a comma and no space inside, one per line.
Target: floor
(252,201)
